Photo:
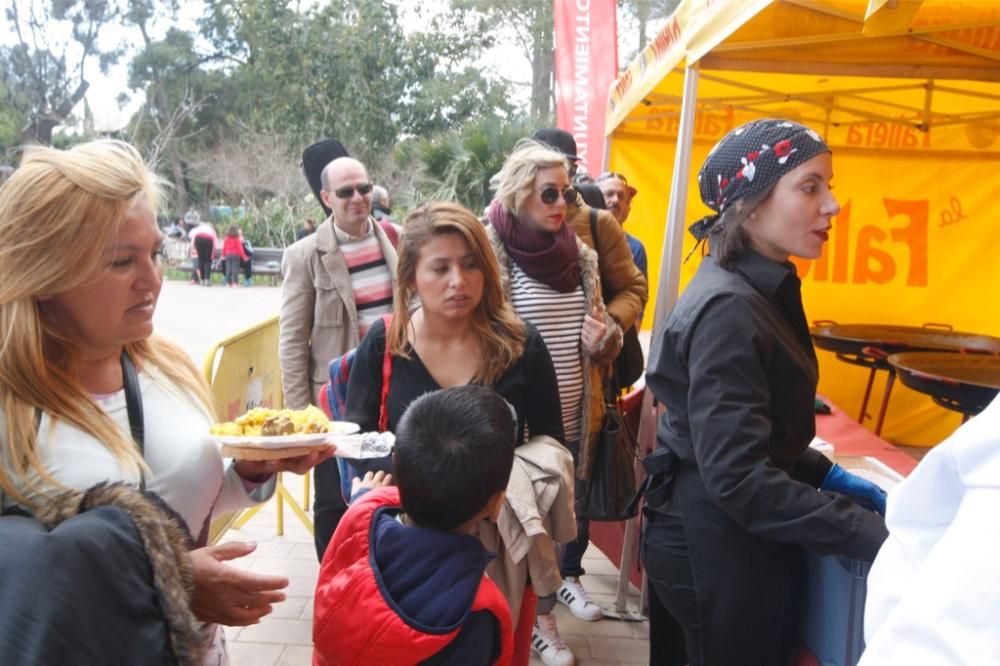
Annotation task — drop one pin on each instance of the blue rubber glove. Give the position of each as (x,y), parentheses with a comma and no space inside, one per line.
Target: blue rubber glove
(865,492)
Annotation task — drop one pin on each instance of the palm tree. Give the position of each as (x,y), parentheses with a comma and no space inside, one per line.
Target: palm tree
(458,166)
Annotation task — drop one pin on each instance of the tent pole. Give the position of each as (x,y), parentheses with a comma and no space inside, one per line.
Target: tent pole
(666,295)
(673,240)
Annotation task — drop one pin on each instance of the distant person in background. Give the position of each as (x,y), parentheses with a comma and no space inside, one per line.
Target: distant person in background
(381,208)
(308,228)
(618,195)
(175,230)
(204,242)
(232,254)
(247,264)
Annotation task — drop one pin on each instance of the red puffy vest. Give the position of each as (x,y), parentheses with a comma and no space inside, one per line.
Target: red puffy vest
(352,622)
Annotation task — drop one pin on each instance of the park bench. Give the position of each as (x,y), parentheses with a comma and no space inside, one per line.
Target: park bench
(266,260)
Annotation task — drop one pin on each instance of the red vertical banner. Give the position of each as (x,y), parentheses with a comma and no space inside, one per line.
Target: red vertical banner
(586,63)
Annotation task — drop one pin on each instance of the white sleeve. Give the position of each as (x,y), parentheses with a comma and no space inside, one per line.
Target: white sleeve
(234,494)
(949,611)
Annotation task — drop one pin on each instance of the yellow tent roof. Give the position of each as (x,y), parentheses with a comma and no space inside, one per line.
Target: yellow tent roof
(901,64)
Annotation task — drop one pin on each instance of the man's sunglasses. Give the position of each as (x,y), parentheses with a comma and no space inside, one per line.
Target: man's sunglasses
(347,191)
(550,194)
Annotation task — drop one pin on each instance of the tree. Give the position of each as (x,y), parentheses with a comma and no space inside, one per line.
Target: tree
(11,122)
(640,15)
(348,69)
(532,23)
(458,166)
(260,174)
(45,82)
(176,89)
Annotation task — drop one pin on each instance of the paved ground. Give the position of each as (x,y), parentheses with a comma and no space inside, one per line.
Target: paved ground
(196,317)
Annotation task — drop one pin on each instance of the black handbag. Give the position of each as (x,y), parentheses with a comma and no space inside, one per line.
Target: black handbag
(612,479)
(629,364)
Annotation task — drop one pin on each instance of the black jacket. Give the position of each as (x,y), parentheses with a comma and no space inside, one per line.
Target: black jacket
(100,577)
(735,368)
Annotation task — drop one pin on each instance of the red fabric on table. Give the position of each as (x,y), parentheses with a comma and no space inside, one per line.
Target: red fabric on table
(848,437)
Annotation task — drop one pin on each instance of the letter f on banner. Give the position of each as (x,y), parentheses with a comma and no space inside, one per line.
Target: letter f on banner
(586,33)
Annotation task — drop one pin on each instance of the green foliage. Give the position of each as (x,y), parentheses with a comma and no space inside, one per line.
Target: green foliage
(458,166)
(276,221)
(44,78)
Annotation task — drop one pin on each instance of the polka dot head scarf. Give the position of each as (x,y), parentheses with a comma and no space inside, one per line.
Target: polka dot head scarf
(748,160)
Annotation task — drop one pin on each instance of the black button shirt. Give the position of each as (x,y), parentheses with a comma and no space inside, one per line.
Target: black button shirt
(736,370)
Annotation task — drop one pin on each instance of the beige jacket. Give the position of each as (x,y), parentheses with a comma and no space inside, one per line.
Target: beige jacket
(537,514)
(318,320)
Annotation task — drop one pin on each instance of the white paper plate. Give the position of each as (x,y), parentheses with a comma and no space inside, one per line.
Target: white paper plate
(337,429)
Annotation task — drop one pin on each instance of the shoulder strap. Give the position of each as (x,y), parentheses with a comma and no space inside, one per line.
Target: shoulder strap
(383,407)
(133,403)
(593,231)
(390,231)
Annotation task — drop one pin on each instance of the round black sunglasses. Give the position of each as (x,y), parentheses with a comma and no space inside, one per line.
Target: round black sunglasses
(550,194)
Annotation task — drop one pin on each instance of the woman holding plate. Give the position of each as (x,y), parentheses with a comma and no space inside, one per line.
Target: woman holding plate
(87,393)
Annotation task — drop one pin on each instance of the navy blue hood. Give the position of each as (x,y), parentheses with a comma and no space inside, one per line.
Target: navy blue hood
(430,578)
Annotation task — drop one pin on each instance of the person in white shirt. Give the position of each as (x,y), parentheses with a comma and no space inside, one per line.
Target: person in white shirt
(934,588)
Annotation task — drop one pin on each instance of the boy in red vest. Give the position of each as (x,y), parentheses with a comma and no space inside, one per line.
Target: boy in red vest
(402,580)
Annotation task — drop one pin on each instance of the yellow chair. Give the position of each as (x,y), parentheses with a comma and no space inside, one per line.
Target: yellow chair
(243,372)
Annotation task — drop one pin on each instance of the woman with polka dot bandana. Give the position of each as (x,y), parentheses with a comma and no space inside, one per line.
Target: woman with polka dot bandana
(737,496)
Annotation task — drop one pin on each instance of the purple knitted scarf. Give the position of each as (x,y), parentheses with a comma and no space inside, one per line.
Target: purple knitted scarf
(552,259)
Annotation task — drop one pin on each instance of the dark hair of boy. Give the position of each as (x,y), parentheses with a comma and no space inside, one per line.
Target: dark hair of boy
(454,451)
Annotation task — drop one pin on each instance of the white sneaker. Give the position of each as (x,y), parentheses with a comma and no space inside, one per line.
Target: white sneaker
(548,644)
(572,595)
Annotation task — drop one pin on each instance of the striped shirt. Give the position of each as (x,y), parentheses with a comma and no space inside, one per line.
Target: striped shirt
(370,277)
(559,319)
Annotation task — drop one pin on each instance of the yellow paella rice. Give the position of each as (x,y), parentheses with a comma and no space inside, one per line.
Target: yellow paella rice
(261,420)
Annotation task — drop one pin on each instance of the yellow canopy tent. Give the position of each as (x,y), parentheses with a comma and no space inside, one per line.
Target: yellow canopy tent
(906,93)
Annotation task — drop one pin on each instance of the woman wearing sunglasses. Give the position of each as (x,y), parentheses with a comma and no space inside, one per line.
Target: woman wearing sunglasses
(553,281)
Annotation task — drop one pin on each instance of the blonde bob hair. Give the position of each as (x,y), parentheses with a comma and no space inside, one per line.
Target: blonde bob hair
(502,334)
(59,211)
(517,177)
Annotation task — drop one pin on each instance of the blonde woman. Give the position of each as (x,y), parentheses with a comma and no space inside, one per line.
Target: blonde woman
(79,279)
(553,280)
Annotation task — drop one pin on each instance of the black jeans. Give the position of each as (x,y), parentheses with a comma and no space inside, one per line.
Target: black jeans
(733,592)
(203,247)
(328,504)
(669,577)
(572,558)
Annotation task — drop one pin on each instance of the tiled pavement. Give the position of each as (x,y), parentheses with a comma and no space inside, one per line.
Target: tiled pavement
(284,637)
